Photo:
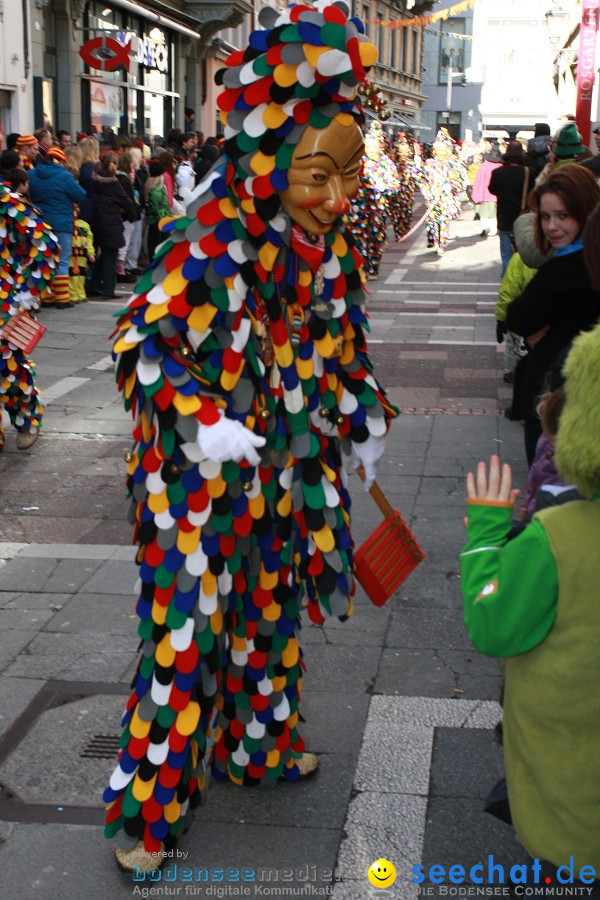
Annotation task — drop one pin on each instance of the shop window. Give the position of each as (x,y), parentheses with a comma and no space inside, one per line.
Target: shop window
(452,48)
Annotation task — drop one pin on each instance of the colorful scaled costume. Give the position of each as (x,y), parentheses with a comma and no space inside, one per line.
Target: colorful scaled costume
(367,222)
(28,260)
(371,206)
(82,251)
(444,178)
(248,321)
(409,175)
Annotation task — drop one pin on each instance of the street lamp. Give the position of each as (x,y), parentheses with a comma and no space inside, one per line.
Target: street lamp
(555,19)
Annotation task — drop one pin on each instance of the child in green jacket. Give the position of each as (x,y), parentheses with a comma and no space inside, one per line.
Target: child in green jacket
(535,601)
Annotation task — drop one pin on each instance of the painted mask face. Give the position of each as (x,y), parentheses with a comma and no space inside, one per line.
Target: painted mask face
(323,176)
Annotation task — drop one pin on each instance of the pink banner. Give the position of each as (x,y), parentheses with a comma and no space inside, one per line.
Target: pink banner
(586,71)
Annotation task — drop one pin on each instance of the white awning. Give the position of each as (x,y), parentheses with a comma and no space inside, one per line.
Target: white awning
(155,17)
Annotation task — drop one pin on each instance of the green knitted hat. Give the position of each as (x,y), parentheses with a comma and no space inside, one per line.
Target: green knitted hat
(569,142)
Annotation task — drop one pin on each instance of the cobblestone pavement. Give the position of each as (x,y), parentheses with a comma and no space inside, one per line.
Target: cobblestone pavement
(398,706)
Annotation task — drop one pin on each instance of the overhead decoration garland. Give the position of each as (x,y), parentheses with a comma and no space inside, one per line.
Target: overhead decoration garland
(424,21)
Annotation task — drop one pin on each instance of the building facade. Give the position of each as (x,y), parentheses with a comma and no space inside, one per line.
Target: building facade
(16,76)
(565,31)
(133,67)
(453,99)
(76,82)
(502,81)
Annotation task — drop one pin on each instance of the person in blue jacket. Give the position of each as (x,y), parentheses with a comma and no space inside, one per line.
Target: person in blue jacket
(53,190)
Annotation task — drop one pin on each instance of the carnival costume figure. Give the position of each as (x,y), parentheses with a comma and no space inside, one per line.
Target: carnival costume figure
(409,175)
(444,177)
(28,260)
(371,207)
(367,222)
(242,358)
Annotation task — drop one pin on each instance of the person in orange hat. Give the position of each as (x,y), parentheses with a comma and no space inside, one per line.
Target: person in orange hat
(53,189)
(29,150)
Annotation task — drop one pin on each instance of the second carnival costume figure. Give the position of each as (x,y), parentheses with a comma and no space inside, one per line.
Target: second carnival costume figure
(28,260)
(444,177)
(371,206)
(242,358)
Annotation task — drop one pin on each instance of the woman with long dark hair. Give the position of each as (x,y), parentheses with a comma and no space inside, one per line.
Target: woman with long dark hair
(559,301)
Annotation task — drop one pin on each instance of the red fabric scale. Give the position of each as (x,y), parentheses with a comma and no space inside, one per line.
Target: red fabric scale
(354,54)
(315,567)
(169,777)
(255,226)
(296,11)
(334,14)
(178,699)
(227,545)
(236,728)
(115,811)
(302,112)
(164,397)
(212,246)
(259,91)
(163,595)
(231,360)
(261,597)
(179,306)
(138,746)
(314,614)
(274,55)
(257,659)
(177,256)
(177,742)
(258,702)
(184,525)
(251,629)
(235,59)
(154,555)
(151,844)
(151,810)
(239,582)
(221,751)
(255,771)
(187,660)
(210,213)
(235,685)
(151,462)
(208,413)
(262,187)
(284,740)
(265,475)
(227,99)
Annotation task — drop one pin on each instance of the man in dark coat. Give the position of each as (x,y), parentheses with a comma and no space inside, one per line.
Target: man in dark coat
(593,163)
(538,149)
(110,205)
(510,184)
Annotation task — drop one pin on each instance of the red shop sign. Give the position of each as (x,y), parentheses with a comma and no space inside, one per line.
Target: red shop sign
(94,54)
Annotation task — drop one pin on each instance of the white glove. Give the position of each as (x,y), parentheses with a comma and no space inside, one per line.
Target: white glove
(228,440)
(27,300)
(368,455)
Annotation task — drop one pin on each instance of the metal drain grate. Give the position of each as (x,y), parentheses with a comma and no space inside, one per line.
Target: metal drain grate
(101,746)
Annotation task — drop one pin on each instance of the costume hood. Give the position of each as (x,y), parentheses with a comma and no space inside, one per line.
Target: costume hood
(578,439)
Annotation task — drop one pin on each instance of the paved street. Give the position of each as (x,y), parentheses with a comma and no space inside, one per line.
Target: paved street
(397,704)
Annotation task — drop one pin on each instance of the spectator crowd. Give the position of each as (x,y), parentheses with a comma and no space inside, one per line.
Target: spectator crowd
(103,196)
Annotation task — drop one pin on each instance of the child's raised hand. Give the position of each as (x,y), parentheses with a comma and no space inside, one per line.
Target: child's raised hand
(499,488)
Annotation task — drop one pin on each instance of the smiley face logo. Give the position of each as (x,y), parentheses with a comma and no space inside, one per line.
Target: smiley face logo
(381,873)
